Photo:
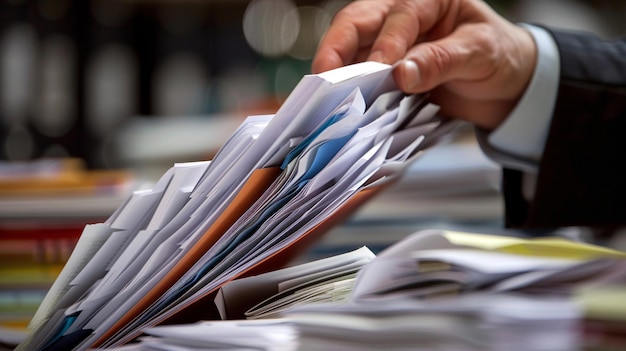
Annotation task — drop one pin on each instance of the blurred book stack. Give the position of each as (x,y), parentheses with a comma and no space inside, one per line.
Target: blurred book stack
(44,206)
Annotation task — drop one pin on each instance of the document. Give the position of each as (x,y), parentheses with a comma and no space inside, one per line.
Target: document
(435,263)
(275,335)
(468,322)
(277,184)
(235,298)
(91,240)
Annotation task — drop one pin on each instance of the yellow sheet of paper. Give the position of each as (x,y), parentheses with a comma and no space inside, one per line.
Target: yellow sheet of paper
(547,246)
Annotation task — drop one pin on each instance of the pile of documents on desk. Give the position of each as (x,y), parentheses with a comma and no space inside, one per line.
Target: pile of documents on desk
(276,184)
(435,290)
(270,294)
(465,291)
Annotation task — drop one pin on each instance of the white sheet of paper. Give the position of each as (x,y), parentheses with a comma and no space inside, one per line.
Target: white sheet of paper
(241,291)
(90,241)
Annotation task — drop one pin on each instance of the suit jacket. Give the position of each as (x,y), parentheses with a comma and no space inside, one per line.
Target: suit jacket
(582,174)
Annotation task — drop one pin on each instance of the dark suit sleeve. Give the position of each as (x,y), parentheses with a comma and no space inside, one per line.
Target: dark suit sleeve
(582,175)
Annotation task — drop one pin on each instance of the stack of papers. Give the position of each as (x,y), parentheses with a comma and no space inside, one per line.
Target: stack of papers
(276,184)
(469,323)
(268,295)
(436,290)
(265,296)
(452,290)
(438,263)
(237,335)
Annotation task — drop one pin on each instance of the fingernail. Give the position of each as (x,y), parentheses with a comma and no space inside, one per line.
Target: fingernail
(377,56)
(410,73)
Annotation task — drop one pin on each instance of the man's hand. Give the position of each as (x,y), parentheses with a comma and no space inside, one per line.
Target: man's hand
(475,63)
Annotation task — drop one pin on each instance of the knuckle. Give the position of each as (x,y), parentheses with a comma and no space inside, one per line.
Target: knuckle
(441,59)
(406,7)
(391,43)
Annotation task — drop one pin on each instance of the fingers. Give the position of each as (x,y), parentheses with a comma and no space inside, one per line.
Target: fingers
(397,35)
(460,47)
(404,23)
(352,32)
(384,29)
(337,48)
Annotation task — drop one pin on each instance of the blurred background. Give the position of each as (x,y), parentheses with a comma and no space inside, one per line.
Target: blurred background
(80,78)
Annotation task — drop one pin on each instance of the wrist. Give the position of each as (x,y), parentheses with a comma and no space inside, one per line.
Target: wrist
(524,131)
(523,64)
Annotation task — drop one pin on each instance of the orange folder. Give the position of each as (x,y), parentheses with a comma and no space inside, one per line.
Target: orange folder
(254,187)
(258,182)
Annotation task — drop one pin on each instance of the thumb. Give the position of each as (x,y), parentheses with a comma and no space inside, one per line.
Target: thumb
(431,64)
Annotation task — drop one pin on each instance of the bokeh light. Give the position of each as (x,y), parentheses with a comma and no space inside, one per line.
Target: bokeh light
(56,110)
(271,27)
(308,37)
(18,62)
(111,88)
(180,84)
(19,144)
(240,87)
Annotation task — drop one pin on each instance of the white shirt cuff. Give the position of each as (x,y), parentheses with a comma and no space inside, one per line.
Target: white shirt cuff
(519,141)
